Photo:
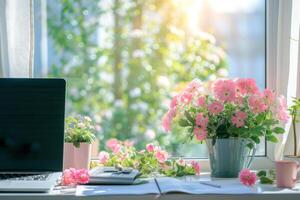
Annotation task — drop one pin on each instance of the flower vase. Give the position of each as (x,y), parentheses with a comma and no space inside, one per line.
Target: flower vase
(229,156)
(77,157)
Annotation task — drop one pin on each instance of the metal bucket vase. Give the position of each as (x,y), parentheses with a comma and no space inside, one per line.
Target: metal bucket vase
(228,156)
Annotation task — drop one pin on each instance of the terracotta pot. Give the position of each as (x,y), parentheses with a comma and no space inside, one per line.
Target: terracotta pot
(77,157)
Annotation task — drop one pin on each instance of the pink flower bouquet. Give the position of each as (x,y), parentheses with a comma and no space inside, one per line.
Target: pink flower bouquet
(153,159)
(227,108)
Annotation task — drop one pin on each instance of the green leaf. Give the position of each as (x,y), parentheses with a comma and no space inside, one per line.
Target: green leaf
(189,117)
(250,145)
(255,139)
(260,118)
(268,132)
(262,173)
(269,122)
(278,130)
(265,180)
(184,123)
(271,138)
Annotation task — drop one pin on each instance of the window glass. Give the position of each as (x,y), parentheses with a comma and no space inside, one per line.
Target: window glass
(124,59)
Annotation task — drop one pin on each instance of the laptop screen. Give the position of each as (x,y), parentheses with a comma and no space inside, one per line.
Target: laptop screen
(31,124)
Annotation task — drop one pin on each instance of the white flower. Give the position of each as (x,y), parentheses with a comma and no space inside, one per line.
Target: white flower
(150,134)
(163,81)
(81,125)
(88,119)
(136,33)
(138,53)
(222,72)
(135,92)
(97,118)
(118,103)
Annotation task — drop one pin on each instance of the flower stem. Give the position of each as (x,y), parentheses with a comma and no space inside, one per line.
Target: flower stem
(295,136)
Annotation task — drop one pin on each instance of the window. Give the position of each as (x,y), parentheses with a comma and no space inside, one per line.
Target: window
(124,58)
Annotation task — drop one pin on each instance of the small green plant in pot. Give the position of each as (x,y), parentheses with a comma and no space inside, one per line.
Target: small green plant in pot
(294,110)
(79,134)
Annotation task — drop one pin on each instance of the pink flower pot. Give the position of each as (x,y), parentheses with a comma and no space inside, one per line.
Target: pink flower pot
(77,157)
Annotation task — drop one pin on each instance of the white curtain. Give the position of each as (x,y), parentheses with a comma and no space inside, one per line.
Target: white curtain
(16,38)
(283,63)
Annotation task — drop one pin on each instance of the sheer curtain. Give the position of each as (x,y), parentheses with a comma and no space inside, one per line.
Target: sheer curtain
(283,60)
(16,38)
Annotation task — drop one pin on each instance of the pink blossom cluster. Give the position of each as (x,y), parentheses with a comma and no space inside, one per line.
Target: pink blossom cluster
(160,155)
(103,157)
(73,177)
(115,145)
(152,155)
(196,166)
(240,95)
(247,177)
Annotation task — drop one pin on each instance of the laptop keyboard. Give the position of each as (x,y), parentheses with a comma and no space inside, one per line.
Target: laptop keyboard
(24,177)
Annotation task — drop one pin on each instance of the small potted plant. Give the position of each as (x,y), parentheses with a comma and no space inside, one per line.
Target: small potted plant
(79,134)
(294,110)
(231,116)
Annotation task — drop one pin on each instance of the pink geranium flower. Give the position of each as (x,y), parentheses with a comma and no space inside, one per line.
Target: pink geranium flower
(72,177)
(167,119)
(186,98)
(239,100)
(174,102)
(196,167)
(82,176)
(269,96)
(215,107)
(112,143)
(103,157)
(69,177)
(201,101)
(150,147)
(128,143)
(181,162)
(256,103)
(247,177)
(246,86)
(200,133)
(282,110)
(193,86)
(225,90)
(201,120)
(238,119)
(161,156)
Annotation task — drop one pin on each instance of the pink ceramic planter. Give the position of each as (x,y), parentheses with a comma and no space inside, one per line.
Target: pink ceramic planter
(77,157)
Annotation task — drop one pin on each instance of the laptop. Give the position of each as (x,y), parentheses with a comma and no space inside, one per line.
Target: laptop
(32,115)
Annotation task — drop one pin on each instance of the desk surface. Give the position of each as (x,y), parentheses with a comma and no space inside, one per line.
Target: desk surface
(265,192)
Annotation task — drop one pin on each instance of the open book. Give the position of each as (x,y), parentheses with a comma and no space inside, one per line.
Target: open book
(146,186)
(177,185)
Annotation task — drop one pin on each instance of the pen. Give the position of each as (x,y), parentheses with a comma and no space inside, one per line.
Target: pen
(211,184)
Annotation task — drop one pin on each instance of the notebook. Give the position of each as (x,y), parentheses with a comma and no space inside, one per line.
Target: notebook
(113,176)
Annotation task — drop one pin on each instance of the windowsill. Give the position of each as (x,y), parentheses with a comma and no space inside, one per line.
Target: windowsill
(263,192)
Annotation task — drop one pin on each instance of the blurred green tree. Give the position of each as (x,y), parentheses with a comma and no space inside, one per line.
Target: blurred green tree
(123,82)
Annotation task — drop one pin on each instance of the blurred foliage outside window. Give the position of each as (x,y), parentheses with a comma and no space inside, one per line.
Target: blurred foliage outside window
(124,59)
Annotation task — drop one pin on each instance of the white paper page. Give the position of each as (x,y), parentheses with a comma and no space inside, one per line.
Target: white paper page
(175,185)
(149,187)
